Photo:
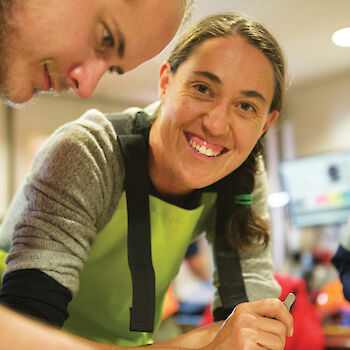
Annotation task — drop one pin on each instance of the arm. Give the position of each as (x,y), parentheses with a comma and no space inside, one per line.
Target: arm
(21,333)
(265,322)
(251,324)
(195,339)
(70,194)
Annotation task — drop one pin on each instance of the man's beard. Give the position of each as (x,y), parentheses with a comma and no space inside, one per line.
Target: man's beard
(8,89)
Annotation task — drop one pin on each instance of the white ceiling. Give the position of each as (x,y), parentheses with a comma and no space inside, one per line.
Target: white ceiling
(303,28)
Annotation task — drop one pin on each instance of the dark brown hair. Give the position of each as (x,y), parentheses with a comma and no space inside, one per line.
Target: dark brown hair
(244,228)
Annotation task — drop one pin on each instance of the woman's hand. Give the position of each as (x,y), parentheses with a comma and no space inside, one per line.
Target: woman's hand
(262,324)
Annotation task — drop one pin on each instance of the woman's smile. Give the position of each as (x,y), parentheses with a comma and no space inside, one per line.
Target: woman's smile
(203,147)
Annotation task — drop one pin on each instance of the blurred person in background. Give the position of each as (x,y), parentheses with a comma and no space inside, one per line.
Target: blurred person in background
(341,260)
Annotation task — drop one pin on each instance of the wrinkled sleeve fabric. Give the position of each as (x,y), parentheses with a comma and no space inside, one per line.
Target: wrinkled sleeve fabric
(256,265)
(70,194)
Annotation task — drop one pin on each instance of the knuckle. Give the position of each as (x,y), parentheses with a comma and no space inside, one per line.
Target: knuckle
(245,319)
(276,303)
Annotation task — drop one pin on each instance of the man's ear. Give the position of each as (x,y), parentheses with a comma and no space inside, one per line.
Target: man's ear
(270,119)
(164,75)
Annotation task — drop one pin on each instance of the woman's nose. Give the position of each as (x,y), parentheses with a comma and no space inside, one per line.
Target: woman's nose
(84,78)
(216,120)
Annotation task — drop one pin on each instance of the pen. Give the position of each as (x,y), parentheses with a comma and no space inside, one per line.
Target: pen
(288,302)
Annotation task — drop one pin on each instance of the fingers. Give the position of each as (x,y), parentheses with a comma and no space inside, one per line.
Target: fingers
(271,333)
(269,319)
(260,324)
(273,308)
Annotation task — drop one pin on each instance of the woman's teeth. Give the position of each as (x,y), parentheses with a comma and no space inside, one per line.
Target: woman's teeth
(203,150)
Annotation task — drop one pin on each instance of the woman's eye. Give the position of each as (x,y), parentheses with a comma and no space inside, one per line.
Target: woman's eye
(202,88)
(107,39)
(247,107)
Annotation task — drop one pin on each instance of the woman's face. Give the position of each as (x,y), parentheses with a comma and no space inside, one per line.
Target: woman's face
(215,108)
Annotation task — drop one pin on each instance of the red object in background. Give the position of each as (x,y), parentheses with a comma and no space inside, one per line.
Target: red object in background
(308,334)
(207,317)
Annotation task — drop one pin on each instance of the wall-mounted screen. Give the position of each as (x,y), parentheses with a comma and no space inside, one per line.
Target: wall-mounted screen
(318,187)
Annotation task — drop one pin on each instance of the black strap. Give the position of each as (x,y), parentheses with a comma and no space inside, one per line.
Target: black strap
(139,233)
(136,184)
(231,284)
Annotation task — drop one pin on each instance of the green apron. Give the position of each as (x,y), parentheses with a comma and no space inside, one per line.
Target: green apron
(100,310)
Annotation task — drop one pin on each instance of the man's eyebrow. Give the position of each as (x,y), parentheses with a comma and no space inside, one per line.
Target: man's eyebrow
(120,37)
(209,75)
(254,93)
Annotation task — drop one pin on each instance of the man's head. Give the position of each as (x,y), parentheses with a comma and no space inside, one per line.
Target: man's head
(52,45)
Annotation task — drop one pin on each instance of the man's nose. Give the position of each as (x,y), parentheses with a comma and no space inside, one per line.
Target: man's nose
(217,120)
(84,78)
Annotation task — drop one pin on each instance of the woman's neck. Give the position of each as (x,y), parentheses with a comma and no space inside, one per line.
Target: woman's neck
(163,179)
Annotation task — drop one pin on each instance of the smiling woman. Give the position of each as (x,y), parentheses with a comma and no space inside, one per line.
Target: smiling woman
(74,229)
(241,91)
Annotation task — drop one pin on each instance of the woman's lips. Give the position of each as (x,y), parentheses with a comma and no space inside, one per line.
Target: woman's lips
(204,147)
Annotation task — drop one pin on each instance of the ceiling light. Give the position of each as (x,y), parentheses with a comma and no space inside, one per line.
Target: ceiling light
(342,37)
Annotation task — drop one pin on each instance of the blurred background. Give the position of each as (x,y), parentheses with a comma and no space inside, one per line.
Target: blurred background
(307,151)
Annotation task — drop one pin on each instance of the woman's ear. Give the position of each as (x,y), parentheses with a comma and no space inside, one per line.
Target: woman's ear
(164,74)
(270,119)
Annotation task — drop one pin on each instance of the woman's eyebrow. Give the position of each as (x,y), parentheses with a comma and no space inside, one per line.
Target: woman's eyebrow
(248,93)
(213,77)
(254,93)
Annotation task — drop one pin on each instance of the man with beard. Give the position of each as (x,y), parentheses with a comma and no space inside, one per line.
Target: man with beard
(54,45)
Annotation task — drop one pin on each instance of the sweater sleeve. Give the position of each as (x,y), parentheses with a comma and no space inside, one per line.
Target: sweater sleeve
(256,265)
(70,194)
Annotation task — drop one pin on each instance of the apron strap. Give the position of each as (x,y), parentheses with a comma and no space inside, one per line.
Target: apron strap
(139,233)
(136,185)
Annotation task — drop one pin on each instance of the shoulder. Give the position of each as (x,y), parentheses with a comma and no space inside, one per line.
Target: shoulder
(89,137)
(81,162)
(92,125)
